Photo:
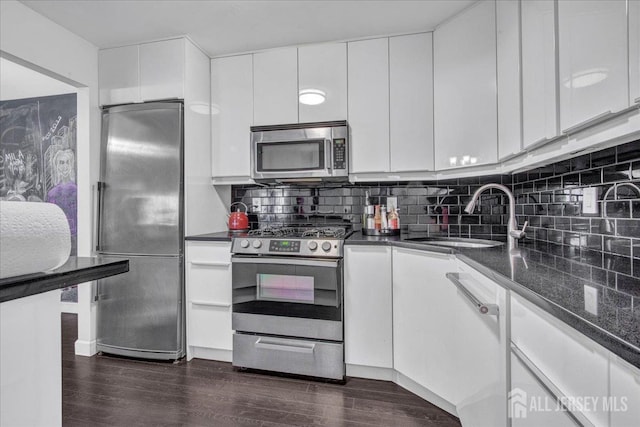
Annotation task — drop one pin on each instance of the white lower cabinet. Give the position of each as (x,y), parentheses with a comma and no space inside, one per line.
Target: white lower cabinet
(480,354)
(367,310)
(424,323)
(624,390)
(530,404)
(208,297)
(564,360)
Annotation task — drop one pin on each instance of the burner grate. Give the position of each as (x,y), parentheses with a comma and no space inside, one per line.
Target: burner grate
(317,232)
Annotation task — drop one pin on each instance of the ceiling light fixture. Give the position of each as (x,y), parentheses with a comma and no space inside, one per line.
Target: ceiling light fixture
(586,78)
(311,96)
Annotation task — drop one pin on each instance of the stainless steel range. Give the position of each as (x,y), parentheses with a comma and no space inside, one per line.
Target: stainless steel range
(288,301)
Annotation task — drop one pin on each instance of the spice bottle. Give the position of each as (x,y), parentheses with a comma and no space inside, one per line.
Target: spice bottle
(384,224)
(377,219)
(394,220)
(369,221)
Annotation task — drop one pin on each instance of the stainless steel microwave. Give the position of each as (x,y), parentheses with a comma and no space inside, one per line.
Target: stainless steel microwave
(302,152)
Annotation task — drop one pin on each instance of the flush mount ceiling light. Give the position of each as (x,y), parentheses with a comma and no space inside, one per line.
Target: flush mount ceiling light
(311,96)
(203,108)
(586,78)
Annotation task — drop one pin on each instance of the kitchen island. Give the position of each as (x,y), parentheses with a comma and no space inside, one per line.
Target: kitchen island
(30,360)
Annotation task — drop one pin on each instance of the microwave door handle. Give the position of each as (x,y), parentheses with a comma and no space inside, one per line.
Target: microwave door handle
(328,155)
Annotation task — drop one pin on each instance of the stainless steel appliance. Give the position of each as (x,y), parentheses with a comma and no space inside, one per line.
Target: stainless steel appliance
(140,217)
(300,152)
(287,308)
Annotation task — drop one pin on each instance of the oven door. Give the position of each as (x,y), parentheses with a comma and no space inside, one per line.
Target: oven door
(288,287)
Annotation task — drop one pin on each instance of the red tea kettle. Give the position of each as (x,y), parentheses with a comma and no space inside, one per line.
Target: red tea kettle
(238,220)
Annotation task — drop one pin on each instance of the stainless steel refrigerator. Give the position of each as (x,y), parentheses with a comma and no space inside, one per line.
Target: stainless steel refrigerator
(140,217)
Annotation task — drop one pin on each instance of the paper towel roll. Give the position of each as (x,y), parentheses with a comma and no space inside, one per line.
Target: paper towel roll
(34,237)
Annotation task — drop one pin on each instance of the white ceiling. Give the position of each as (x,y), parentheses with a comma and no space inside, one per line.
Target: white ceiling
(18,82)
(225,27)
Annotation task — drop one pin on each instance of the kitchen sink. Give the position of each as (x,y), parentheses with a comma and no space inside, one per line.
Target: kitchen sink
(456,242)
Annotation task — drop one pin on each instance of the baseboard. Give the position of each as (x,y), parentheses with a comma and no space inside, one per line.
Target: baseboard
(370,372)
(209,354)
(68,307)
(86,348)
(424,393)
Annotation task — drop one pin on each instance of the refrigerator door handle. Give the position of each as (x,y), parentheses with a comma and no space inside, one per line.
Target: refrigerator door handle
(98,216)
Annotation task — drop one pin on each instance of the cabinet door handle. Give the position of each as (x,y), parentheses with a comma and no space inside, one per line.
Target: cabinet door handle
(284,346)
(588,123)
(637,100)
(211,304)
(483,308)
(548,385)
(210,263)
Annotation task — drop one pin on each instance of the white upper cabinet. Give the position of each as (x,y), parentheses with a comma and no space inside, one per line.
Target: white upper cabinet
(324,68)
(275,87)
(411,102)
(162,70)
(539,89)
(232,116)
(145,72)
(465,88)
(634,52)
(119,75)
(508,67)
(369,105)
(593,76)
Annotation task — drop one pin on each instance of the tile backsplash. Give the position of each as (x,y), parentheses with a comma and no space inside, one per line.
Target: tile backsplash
(605,246)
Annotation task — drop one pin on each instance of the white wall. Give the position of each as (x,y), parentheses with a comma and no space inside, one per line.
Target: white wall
(34,41)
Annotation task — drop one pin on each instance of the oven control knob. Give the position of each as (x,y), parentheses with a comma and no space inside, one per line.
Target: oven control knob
(326,246)
(244,243)
(257,244)
(312,245)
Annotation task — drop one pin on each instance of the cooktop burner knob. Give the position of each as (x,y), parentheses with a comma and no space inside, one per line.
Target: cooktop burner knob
(312,245)
(244,243)
(326,246)
(257,244)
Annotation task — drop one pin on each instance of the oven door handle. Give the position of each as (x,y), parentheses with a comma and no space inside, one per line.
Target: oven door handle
(286,261)
(284,346)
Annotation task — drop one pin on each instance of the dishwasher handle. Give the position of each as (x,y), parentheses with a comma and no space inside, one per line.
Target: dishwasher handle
(483,308)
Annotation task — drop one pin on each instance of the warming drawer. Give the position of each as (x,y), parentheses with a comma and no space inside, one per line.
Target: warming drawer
(302,357)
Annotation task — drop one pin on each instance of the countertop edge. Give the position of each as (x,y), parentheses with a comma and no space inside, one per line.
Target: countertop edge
(623,349)
(12,288)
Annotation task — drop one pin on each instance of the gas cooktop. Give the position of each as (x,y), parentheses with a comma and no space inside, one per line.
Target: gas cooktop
(308,241)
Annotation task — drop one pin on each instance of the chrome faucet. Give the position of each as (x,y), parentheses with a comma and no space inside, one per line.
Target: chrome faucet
(512,226)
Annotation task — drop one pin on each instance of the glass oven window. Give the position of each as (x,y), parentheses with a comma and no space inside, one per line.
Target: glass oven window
(287,156)
(285,288)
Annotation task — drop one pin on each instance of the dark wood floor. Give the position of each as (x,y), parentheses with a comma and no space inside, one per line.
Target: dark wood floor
(111,391)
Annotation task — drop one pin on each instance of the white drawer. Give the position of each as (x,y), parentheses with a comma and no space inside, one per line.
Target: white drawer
(209,325)
(209,273)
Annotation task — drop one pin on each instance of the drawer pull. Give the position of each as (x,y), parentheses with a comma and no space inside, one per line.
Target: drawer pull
(211,304)
(548,385)
(210,264)
(637,100)
(284,346)
(483,308)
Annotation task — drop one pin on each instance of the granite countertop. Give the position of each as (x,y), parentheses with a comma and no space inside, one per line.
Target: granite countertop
(76,270)
(538,272)
(220,236)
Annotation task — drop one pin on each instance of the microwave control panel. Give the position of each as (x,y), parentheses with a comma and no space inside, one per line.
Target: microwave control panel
(339,153)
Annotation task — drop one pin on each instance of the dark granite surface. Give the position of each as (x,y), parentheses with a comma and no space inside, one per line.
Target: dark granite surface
(220,236)
(550,277)
(76,270)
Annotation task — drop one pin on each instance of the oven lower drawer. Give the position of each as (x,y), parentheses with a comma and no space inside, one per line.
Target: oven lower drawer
(293,356)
